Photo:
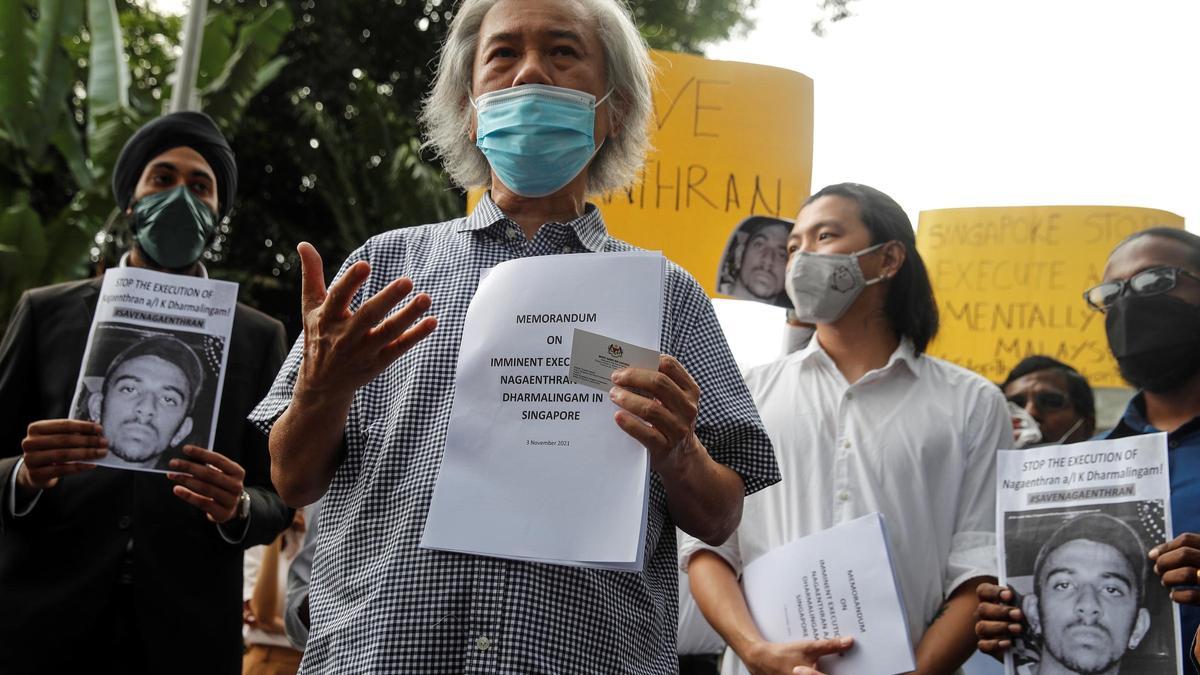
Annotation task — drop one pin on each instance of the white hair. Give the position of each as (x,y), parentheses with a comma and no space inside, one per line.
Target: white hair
(446,114)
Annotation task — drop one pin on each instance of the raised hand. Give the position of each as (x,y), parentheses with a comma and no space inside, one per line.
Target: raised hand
(55,448)
(344,350)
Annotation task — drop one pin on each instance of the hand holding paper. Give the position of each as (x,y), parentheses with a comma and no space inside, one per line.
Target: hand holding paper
(344,350)
(793,658)
(213,482)
(1177,563)
(662,417)
(56,448)
(997,619)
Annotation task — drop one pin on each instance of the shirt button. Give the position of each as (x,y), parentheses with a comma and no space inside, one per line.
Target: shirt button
(844,496)
(566,249)
(846,444)
(482,643)
(124,522)
(512,233)
(849,396)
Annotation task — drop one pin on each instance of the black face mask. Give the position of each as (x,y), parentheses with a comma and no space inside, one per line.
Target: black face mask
(1155,339)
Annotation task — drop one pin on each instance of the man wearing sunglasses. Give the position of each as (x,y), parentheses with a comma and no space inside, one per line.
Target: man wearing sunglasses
(1056,396)
(1150,297)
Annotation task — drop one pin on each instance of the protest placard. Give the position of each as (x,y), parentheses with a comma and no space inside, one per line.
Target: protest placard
(154,365)
(1009,283)
(1074,525)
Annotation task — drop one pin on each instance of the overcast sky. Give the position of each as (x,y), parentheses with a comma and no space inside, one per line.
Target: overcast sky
(946,103)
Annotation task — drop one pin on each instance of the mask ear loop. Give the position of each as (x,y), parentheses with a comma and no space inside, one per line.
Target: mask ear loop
(872,249)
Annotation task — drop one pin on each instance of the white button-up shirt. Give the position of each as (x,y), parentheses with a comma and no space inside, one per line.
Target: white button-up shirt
(915,440)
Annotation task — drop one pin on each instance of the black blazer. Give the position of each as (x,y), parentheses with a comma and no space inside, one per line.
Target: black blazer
(60,563)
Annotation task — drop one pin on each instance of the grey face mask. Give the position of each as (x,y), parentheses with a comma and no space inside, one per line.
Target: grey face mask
(822,286)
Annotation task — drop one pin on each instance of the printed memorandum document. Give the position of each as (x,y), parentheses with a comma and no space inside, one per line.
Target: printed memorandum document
(835,583)
(535,467)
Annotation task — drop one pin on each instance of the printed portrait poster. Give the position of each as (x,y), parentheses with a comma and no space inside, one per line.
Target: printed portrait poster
(154,365)
(730,166)
(1074,526)
(1009,283)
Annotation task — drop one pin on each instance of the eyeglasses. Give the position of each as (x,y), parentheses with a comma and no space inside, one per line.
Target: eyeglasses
(1046,401)
(1149,282)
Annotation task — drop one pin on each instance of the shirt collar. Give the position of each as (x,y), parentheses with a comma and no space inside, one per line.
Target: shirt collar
(905,353)
(589,227)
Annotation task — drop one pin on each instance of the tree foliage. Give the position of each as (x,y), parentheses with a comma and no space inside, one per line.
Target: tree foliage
(76,79)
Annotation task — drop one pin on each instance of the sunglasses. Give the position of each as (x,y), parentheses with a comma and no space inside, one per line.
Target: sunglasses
(1046,401)
(1149,282)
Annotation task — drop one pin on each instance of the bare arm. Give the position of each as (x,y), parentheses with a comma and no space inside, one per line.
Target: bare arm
(719,597)
(343,351)
(950,639)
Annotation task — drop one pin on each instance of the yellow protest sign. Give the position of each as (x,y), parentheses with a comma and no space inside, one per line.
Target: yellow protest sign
(731,140)
(1009,283)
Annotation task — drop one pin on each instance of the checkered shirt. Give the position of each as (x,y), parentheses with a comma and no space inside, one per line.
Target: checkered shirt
(381,605)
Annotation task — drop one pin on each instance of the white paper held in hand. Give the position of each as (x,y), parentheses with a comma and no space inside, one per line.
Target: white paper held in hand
(836,583)
(535,467)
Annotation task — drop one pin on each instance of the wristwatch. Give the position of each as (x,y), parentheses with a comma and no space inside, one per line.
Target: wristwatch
(243,505)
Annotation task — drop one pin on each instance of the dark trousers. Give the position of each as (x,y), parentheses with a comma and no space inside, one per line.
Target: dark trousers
(698,664)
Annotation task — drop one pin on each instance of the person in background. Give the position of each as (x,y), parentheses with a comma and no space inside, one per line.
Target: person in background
(128,571)
(1056,396)
(862,420)
(1150,297)
(264,586)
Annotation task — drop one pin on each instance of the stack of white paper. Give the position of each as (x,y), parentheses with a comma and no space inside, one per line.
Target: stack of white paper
(835,583)
(535,468)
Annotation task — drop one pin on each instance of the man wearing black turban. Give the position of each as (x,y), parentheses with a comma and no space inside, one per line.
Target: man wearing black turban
(125,571)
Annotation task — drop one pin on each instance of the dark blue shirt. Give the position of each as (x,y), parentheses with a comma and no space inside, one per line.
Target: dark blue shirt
(1183,458)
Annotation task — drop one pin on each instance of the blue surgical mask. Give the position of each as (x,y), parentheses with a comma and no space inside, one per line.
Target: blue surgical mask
(173,227)
(537,138)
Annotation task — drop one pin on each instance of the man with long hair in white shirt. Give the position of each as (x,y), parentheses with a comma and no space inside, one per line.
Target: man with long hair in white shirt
(863,420)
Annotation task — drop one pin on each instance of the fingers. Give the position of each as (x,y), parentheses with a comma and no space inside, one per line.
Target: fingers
(337,298)
(216,459)
(670,425)
(993,593)
(1187,596)
(997,630)
(53,427)
(312,274)
(408,339)
(991,611)
(1187,539)
(643,433)
(36,459)
(206,481)
(376,308)
(658,385)
(672,368)
(818,648)
(44,477)
(215,511)
(394,326)
(994,647)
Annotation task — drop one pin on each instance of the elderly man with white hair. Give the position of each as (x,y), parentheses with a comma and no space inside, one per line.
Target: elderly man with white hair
(544,102)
